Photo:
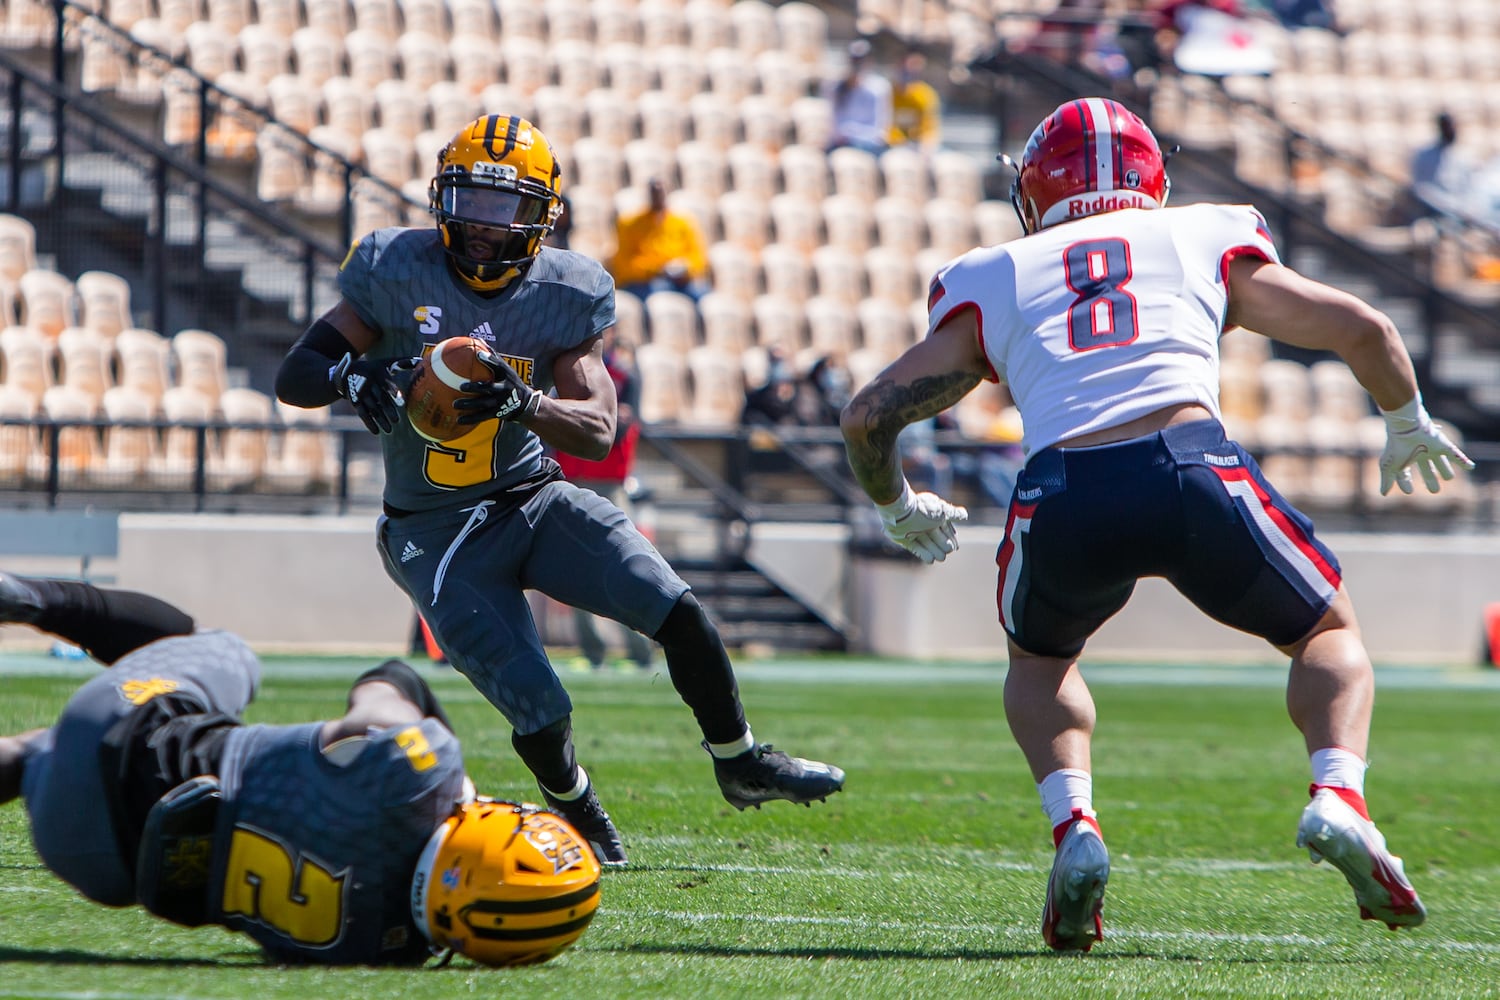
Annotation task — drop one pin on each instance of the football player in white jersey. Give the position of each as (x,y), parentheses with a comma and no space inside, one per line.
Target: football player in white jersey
(1104,322)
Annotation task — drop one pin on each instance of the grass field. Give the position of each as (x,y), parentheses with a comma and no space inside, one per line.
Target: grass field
(924,879)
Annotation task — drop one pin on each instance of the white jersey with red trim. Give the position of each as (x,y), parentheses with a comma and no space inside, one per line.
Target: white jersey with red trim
(1096,322)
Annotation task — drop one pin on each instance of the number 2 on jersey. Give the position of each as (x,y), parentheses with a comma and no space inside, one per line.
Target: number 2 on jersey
(1103,313)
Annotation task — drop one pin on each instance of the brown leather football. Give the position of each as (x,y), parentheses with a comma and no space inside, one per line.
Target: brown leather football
(429,401)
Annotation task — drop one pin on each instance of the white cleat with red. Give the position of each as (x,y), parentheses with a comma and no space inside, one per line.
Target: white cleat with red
(1332,830)
(1073,918)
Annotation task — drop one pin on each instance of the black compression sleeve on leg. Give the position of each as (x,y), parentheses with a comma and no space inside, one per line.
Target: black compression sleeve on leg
(107,623)
(701,672)
(548,754)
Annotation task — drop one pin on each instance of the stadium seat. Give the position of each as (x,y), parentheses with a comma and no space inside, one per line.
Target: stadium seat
(702,208)
(995,222)
(782,78)
(702,167)
(728,323)
(779,322)
(664,391)
(26,24)
(576,66)
(950,226)
(855,172)
(306,460)
(788,271)
(744,219)
(102,66)
(765,122)
(662,25)
(1240,394)
(796,222)
(611,116)
(663,118)
(734,271)
(18,442)
(802,30)
(318,54)
(560,116)
(753,169)
(78,447)
(957,176)
(47,301)
(1286,387)
(717,387)
(832,327)
(200,360)
(715,120)
(293,103)
(569,21)
(521,19)
(371,56)
(143,361)
(672,321)
(83,361)
(730,74)
(245,443)
(376,206)
(1281,439)
(812,121)
(427,16)
(104,301)
(753,27)
(626,67)
(890,277)
(475,18)
(904,175)
(142,80)
(26,360)
(630,319)
(265,52)
(884,330)
(332,16)
(422,60)
(181,105)
(840,274)
(804,171)
(128,451)
(707,24)
(348,107)
(451,106)
(848,223)
(527,66)
(400,107)
(680,71)
(899,224)
(645,159)
(379,17)
(211,49)
(615,26)
(280,167)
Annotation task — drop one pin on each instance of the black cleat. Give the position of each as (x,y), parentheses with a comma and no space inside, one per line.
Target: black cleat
(764,773)
(19,601)
(589,818)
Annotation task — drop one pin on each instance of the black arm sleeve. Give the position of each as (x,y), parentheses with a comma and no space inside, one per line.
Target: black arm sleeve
(302,380)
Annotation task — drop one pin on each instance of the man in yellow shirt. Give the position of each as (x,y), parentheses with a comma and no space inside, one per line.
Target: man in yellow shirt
(659,249)
(916,108)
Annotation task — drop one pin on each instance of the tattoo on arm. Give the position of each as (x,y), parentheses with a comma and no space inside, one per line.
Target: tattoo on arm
(884,408)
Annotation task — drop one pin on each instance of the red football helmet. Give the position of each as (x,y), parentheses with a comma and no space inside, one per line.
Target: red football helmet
(1090,155)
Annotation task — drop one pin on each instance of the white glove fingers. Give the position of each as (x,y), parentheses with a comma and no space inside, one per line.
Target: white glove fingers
(924,548)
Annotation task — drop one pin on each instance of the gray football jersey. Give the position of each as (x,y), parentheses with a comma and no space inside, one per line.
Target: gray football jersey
(399,282)
(314,858)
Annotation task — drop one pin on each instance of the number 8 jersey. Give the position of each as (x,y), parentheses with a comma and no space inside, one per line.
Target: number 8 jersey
(1096,322)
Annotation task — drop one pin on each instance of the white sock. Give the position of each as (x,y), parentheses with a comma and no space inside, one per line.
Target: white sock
(1064,790)
(1339,768)
(724,751)
(579,787)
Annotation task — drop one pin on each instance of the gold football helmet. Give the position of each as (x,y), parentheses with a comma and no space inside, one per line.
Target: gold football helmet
(497,194)
(505,883)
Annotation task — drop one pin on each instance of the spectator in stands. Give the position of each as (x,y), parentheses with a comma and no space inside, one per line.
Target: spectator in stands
(773,404)
(861,103)
(610,477)
(659,249)
(824,391)
(916,108)
(1441,172)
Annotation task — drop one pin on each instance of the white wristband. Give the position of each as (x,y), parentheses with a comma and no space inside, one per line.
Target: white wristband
(1407,416)
(899,507)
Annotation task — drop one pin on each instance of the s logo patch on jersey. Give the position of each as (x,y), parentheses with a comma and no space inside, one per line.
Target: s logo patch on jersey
(427,319)
(139,692)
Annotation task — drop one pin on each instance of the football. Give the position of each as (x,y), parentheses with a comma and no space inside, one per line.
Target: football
(434,387)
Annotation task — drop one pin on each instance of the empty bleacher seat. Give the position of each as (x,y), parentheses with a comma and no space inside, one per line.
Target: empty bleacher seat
(47,301)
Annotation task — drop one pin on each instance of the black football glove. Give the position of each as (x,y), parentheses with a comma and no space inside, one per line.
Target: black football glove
(506,396)
(375,388)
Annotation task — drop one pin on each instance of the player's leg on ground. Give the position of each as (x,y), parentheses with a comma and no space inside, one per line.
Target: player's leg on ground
(105,622)
(549,754)
(1330,697)
(1051,715)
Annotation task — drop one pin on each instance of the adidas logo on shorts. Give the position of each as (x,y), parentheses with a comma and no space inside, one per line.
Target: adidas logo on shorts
(410,552)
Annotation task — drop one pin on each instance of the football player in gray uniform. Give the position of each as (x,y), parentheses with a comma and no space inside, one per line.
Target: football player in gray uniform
(324,841)
(471,524)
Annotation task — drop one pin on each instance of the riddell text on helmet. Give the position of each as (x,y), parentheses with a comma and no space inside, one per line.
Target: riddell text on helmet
(1108,203)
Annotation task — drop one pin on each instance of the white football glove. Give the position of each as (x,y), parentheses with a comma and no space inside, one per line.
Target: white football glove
(922,523)
(1412,440)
